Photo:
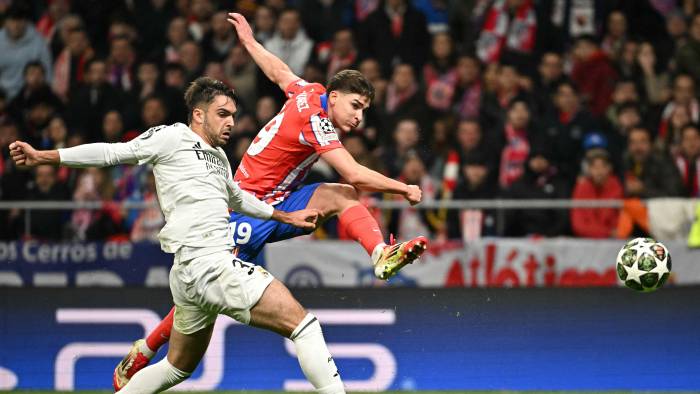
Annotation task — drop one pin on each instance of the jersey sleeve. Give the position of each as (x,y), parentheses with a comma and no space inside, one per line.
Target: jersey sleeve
(300,86)
(320,133)
(149,147)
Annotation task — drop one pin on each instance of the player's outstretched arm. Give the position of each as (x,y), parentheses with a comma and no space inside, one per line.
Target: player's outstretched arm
(366,179)
(24,154)
(274,68)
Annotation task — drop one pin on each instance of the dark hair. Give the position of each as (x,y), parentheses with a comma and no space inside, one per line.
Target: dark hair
(204,90)
(597,154)
(31,64)
(351,81)
(643,129)
(690,126)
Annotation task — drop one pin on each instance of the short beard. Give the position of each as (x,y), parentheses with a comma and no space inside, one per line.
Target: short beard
(207,132)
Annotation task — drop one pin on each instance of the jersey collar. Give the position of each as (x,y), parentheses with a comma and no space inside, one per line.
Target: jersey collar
(324,101)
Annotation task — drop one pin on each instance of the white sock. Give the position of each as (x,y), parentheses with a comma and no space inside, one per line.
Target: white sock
(314,357)
(154,379)
(377,252)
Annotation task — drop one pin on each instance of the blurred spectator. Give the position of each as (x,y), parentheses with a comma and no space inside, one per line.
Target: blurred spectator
(688,55)
(121,63)
(92,100)
(516,148)
(54,13)
(35,88)
(411,222)
(394,33)
(69,68)
(564,130)
(688,160)
(626,63)
(597,183)
(435,12)
(240,71)
(357,145)
(495,103)
(550,74)
(95,184)
(467,97)
(439,74)
(265,109)
(683,95)
(112,127)
(217,44)
(615,36)
(152,18)
(593,74)
(670,141)
(58,41)
(191,60)
(677,28)
(539,181)
(57,133)
(510,27)
(20,44)
(264,23)
(403,98)
(624,93)
(648,175)
(98,17)
(12,179)
(342,53)
(322,17)
(175,77)
(407,142)
(314,72)
(46,224)
(177,35)
(627,117)
(441,144)
(200,18)
(653,77)
(465,20)
(149,221)
(475,184)
(290,42)
(154,112)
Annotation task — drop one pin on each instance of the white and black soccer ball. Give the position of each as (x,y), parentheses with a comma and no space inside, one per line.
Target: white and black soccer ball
(643,264)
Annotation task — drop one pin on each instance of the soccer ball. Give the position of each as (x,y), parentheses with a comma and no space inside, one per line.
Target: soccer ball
(643,264)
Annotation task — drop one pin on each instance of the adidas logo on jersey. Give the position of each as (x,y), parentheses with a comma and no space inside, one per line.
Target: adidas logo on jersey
(198,145)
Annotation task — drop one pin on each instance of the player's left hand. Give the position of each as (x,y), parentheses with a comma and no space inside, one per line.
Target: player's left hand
(304,218)
(413,194)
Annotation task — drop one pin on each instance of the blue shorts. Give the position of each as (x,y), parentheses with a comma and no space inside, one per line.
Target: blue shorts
(251,234)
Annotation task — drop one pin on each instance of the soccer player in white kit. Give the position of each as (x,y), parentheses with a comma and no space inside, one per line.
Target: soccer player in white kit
(195,189)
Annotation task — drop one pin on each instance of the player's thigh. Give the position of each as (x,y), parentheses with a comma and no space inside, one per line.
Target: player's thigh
(277,310)
(332,198)
(250,235)
(185,351)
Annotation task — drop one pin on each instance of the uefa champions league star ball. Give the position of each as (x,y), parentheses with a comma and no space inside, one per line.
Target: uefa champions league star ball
(643,264)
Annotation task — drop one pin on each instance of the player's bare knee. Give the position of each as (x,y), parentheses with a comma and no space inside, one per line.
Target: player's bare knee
(344,196)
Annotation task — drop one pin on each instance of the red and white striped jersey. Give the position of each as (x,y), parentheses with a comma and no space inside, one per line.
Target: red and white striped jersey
(284,150)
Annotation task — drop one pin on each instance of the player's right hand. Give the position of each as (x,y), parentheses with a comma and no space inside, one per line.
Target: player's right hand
(304,218)
(413,194)
(23,154)
(245,33)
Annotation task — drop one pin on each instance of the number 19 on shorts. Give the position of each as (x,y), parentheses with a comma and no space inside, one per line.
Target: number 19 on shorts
(240,232)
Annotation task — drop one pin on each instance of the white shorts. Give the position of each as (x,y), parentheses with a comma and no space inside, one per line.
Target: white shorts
(214,284)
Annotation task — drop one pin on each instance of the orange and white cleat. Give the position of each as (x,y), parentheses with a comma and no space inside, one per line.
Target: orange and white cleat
(136,360)
(395,256)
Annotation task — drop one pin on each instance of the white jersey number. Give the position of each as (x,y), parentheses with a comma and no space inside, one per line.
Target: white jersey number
(240,232)
(266,134)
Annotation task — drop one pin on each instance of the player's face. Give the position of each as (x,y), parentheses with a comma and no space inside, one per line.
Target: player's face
(345,110)
(218,120)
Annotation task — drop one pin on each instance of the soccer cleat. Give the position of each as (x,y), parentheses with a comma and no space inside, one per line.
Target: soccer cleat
(395,256)
(135,361)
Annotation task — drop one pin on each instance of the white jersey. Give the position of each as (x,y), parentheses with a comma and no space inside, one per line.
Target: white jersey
(193,181)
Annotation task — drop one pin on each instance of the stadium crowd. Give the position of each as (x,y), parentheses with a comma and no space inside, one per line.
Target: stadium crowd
(475,99)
